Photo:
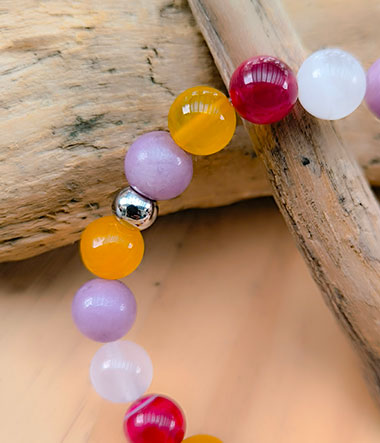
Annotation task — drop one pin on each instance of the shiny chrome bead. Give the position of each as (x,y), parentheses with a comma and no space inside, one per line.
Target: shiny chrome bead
(134,208)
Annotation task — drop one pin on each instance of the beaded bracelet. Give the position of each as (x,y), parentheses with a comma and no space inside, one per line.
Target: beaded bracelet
(331,84)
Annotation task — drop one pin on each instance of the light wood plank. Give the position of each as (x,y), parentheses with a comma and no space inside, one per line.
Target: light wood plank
(236,329)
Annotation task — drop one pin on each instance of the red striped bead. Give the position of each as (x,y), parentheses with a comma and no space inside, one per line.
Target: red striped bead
(154,419)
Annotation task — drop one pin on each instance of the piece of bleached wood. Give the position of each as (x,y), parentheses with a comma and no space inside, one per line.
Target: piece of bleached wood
(319,188)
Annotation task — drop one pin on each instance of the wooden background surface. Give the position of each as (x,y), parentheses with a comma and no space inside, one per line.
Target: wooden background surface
(236,329)
(80,80)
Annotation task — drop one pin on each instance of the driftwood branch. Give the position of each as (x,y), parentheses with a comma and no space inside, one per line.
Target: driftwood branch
(320,190)
(80,80)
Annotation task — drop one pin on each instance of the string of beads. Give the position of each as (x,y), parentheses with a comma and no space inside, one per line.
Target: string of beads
(330,85)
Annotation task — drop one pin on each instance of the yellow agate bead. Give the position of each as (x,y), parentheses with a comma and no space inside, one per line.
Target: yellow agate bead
(201,120)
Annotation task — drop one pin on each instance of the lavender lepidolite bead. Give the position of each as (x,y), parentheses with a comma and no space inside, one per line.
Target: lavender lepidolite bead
(156,167)
(372,95)
(104,310)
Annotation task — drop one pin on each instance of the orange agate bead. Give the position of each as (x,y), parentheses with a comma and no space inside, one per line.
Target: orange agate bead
(111,249)
(202,439)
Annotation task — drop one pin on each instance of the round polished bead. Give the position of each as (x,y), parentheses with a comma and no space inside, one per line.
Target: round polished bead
(154,418)
(104,310)
(263,89)
(156,167)
(121,371)
(373,88)
(111,249)
(202,439)
(331,84)
(201,120)
(132,207)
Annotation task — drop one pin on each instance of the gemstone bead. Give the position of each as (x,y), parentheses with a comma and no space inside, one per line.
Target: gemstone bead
(201,120)
(121,371)
(154,418)
(263,89)
(202,439)
(104,310)
(156,167)
(331,83)
(111,249)
(373,88)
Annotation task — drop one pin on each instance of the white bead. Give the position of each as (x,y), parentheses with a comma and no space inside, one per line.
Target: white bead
(121,371)
(331,84)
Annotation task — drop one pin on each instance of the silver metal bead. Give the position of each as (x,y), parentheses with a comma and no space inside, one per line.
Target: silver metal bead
(134,208)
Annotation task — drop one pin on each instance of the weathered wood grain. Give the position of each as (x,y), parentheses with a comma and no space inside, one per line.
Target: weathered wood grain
(326,200)
(80,80)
